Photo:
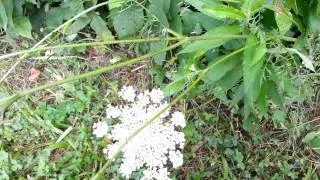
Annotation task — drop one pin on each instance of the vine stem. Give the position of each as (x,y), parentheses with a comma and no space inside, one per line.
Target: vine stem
(48,36)
(127,41)
(179,97)
(21,94)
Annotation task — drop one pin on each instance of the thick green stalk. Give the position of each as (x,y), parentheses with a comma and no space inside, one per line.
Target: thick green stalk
(7,102)
(128,41)
(200,77)
(49,35)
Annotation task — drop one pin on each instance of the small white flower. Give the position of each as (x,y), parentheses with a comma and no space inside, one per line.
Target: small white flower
(113,112)
(100,129)
(178,119)
(156,95)
(154,146)
(176,157)
(128,93)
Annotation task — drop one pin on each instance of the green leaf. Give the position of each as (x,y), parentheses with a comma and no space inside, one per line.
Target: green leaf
(100,27)
(221,11)
(274,95)
(159,14)
(55,17)
(306,61)
(158,59)
(77,26)
(315,144)
(200,4)
(193,19)
(8,6)
(205,45)
(279,116)
(31,1)
(238,95)
(310,136)
(262,104)
(115,4)
(128,22)
(3,16)
(161,4)
(252,71)
(252,5)
(252,59)
(314,16)
(220,68)
(232,78)
(292,4)
(250,123)
(22,26)
(175,87)
(284,20)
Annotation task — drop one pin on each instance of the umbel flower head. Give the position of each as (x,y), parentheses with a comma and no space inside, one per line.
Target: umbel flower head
(155,148)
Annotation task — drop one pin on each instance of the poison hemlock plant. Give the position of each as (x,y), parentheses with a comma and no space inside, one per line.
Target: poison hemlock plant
(158,143)
(251,64)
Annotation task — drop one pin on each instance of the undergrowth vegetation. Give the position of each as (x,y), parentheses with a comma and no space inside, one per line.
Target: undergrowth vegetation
(243,73)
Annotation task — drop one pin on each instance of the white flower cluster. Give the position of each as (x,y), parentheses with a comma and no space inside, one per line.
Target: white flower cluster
(155,147)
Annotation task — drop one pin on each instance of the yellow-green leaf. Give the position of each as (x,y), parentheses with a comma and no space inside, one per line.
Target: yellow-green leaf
(205,45)
(22,26)
(284,20)
(221,11)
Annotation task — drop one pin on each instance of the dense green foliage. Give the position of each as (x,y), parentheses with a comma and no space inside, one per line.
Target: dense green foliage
(251,66)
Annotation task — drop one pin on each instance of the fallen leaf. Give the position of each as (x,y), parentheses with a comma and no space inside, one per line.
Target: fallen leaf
(34,74)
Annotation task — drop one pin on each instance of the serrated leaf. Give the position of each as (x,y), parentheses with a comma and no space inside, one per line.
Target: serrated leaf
(306,61)
(128,22)
(22,26)
(205,45)
(252,62)
(284,20)
(262,104)
(221,11)
(219,69)
(252,71)
(232,78)
(100,27)
(238,95)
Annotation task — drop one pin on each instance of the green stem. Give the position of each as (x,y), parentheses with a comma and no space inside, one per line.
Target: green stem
(200,77)
(128,41)
(96,72)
